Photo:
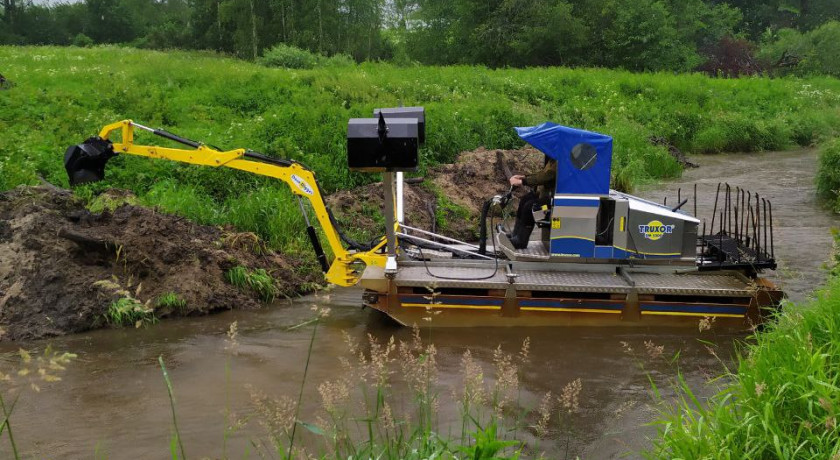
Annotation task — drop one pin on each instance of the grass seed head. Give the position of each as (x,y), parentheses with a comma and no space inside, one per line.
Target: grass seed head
(569,399)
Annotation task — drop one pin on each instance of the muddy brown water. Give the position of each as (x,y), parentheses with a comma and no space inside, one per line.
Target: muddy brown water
(113,400)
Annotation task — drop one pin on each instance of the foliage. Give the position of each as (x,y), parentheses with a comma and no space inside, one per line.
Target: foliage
(644,34)
(289,57)
(64,95)
(257,280)
(828,174)
(82,40)
(784,396)
(816,52)
(732,57)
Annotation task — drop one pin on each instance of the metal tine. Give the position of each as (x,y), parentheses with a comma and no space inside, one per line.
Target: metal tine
(747,220)
(737,245)
(737,197)
(757,228)
(752,224)
(772,248)
(679,195)
(743,219)
(714,211)
(737,220)
(720,241)
(764,213)
(726,210)
(695,199)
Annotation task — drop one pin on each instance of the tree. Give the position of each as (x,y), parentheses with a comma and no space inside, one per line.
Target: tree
(643,35)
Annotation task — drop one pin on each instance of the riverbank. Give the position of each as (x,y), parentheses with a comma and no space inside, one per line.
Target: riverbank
(63,95)
(65,269)
(783,399)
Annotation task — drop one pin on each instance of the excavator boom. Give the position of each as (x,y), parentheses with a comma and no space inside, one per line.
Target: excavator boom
(86,163)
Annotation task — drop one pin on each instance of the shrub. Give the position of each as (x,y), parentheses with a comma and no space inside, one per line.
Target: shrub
(290,57)
(82,40)
(338,60)
(814,52)
(731,57)
(828,175)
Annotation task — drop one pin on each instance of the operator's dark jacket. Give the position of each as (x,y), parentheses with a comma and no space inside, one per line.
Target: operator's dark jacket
(544,180)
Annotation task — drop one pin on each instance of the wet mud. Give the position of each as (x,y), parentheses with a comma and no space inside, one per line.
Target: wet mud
(61,266)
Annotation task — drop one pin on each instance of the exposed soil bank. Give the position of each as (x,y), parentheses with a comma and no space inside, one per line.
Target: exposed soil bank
(54,255)
(61,266)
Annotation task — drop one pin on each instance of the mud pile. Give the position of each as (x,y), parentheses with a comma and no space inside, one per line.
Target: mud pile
(474,177)
(55,255)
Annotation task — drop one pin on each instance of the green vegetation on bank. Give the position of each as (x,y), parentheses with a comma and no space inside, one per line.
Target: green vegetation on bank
(781,401)
(62,95)
(828,175)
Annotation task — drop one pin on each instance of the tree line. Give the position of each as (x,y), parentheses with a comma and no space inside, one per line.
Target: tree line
(723,36)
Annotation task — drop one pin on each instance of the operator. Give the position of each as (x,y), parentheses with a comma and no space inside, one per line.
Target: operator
(542,191)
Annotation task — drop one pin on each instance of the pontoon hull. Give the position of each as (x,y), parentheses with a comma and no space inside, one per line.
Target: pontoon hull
(568,298)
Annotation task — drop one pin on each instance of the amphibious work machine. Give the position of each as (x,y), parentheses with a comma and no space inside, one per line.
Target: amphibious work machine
(595,256)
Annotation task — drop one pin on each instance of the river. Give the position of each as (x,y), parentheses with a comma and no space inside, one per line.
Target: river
(113,400)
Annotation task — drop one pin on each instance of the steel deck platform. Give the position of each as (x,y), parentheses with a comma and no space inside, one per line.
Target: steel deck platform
(719,284)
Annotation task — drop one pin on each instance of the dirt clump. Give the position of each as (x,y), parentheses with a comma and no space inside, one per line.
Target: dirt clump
(449,198)
(59,263)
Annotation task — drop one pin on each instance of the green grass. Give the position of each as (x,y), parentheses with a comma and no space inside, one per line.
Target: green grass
(128,311)
(257,280)
(782,400)
(171,300)
(828,175)
(63,95)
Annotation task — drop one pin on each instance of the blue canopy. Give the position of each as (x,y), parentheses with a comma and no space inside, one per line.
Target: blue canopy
(583,158)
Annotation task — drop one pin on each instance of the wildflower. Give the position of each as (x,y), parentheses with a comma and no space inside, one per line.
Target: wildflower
(626,347)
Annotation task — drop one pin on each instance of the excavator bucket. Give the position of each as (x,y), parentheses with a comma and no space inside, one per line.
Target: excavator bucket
(85,162)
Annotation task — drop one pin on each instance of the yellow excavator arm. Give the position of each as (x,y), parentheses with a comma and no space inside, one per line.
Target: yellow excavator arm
(86,163)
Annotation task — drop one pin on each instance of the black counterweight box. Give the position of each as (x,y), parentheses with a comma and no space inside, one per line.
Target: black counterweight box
(406,112)
(380,144)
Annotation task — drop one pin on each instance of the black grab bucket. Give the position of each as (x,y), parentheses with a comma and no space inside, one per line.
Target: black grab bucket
(85,162)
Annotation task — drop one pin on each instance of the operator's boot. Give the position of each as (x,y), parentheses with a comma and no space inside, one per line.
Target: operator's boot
(520,239)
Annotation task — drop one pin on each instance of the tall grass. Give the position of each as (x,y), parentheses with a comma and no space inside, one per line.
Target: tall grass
(828,175)
(63,95)
(781,401)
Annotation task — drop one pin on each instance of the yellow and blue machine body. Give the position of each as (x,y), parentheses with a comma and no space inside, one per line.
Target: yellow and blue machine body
(590,221)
